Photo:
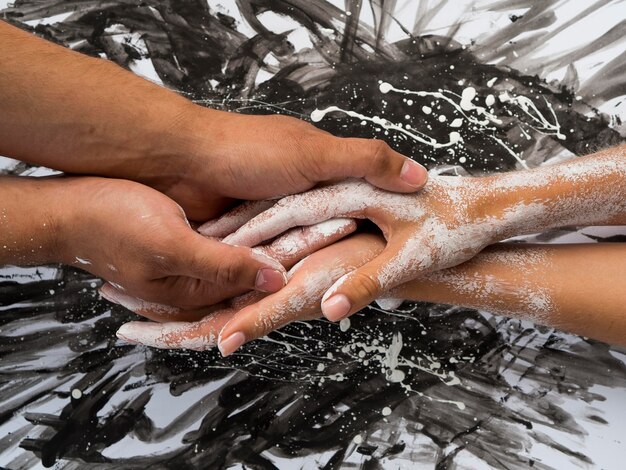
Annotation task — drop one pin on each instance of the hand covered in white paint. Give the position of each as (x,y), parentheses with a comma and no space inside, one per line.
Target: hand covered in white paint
(442,226)
(140,241)
(287,249)
(252,316)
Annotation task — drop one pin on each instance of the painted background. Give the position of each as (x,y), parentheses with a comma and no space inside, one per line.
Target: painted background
(426,386)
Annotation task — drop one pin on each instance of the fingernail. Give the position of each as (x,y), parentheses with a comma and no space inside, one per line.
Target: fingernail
(205,228)
(109,293)
(231,344)
(122,333)
(269,280)
(413,173)
(264,258)
(337,307)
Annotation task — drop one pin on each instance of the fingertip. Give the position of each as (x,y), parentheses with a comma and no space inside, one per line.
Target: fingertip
(126,333)
(270,280)
(413,174)
(336,307)
(231,343)
(208,229)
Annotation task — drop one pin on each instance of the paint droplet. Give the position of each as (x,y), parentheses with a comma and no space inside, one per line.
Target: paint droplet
(386,411)
(427,109)
(76,394)
(395,376)
(385,87)
(458,122)
(462,160)
(442,118)
(358,439)
(317,115)
(467,96)
(490,100)
(455,137)
(320,367)
(344,324)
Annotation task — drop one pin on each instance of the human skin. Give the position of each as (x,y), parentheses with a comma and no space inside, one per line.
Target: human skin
(541,283)
(450,220)
(126,233)
(86,115)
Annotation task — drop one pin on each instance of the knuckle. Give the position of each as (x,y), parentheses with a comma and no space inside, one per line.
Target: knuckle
(367,285)
(378,151)
(228,272)
(319,163)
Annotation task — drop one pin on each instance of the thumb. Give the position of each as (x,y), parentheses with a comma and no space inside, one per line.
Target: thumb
(229,267)
(356,289)
(376,162)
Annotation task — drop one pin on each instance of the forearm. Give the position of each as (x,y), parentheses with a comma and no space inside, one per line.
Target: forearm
(577,288)
(585,191)
(80,114)
(31,214)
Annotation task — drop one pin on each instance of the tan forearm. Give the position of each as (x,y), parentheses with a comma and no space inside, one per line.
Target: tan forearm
(584,191)
(577,288)
(80,114)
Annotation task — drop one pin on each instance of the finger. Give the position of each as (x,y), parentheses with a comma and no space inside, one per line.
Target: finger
(273,312)
(357,289)
(300,299)
(234,219)
(154,311)
(226,267)
(302,241)
(199,335)
(346,199)
(374,161)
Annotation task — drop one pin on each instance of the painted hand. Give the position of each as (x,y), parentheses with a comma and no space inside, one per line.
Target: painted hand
(252,316)
(235,156)
(287,249)
(140,241)
(442,226)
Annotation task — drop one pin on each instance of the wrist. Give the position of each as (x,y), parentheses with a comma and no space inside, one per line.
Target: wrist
(181,150)
(31,227)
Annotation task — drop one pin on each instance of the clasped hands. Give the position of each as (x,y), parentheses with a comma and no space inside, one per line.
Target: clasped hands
(444,224)
(138,237)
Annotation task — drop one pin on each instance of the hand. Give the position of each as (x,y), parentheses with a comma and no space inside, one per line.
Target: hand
(448,222)
(201,158)
(251,316)
(230,156)
(287,249)
(140,241)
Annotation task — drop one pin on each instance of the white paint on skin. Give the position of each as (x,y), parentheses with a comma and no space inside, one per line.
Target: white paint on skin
(171,335)
(82,260)
(135,304)
(300,240)
(487,291)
